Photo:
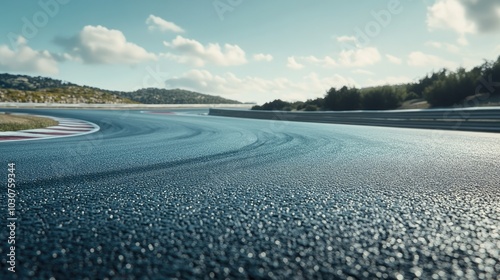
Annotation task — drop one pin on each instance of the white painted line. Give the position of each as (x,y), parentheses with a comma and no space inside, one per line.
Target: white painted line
(66,128)
(70,128)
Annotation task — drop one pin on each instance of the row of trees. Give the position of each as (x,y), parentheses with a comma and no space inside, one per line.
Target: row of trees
(443,88)
(343,99)
(454,87)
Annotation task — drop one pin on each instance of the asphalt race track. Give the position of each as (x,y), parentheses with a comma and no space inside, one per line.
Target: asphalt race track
(193,196)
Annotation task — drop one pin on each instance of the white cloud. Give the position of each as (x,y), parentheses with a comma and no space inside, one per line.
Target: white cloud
(100,45)
(262,57)
(184,59)
(391,80)
(364,72)
(293,64)
(157,23)
(359,57)
(469,63)
(313,82)
(496,51)
(326,61)
(25,59)
(228,83)
(345,39)
(450,14)
(445,46)
(255,88)
(420,59)
(349,58)
(193,52)
(21,41)
(393,59)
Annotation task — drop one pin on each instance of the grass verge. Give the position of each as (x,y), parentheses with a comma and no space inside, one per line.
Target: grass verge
(10,122)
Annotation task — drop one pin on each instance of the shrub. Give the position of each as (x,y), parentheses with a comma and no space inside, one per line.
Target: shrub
(411,96)
(382,98)
(311,107)
(452,89)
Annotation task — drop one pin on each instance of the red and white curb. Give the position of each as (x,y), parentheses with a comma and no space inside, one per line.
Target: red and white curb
(65,128)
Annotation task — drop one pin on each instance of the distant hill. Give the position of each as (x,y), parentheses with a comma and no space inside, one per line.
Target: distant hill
(23,88)
(174,96)
(63,95)
(23,82)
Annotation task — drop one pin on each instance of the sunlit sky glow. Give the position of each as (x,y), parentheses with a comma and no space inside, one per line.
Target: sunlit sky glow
(245,50)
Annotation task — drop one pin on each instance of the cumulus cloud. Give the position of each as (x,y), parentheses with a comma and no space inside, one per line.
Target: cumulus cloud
(157,23)
(228,83)
(293,64)
(262,57)
(450,14)
(420,59)
(393,59)
(362,71)
(193,52)
(321,84)
(496,50)
(249,88)
(464,17)
(359,57)
(326,61)
(25,59)
(391,80)
(346,39)
(445,46)
(100,45)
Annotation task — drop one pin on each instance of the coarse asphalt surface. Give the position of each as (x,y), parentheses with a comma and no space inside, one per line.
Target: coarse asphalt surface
(189,196)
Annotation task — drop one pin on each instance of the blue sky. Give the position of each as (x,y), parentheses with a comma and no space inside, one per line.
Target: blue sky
(245,50)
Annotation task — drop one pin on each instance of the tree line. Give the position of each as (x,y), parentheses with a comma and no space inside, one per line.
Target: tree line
(443,88)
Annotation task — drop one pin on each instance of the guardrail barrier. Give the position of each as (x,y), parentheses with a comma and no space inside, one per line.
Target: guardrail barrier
(469,119)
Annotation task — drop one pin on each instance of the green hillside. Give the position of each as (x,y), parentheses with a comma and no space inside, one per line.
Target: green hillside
(174,96)
(23,88)
(63,95)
